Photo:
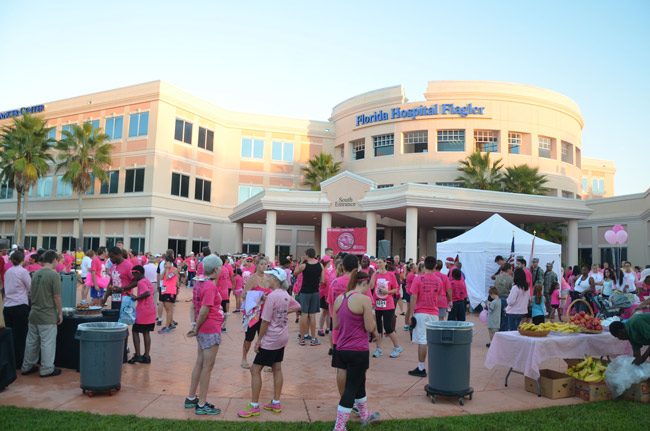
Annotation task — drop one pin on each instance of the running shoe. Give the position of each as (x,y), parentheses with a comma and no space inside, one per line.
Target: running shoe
(321,333)
(249,412)
(377,353)
(315,342)
(158,322)
(418,372)
(206,409)
(190,404)
(307,337)
(223,329)
(355,410)
(372,417)
(302,342)
(165,330)
(396,352)
(273,407)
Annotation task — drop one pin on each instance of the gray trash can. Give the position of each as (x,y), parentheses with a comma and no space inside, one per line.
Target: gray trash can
(101,347)
(69,290)
(449,350)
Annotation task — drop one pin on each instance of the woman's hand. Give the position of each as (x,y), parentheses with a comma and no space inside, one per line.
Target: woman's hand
(192,333)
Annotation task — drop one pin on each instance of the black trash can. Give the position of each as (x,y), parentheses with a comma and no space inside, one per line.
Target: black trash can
(100,355)
(449,351)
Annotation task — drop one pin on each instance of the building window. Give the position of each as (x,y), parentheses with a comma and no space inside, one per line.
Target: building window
(178,245)
(6,191)
(183,131)
(247,192)
(358,149)
(567,194)
(66,128)
(43,188)
(451,140)
(567,152)
(197,246)
(91,243)
(137,245)
(51,134)
(94,124)
(206,139)
(180,185)
(514,143)
(64,188)
(486,141)
(112,241)
(545,147)
(456,184)
(585,184)
(282,151)
(69,243)
(384,145)
(598,186)
(252,148)
(114,127)
(30,242)
(250,248)
(110,186)
(138,124)
(384,186)
(49,242)
(416,142)
(202,189)
(134,181)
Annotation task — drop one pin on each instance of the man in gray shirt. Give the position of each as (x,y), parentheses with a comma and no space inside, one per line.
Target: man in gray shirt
(503,283)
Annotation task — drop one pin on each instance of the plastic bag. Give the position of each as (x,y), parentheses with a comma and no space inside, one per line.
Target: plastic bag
(127,311)
(483,317)
(621,374)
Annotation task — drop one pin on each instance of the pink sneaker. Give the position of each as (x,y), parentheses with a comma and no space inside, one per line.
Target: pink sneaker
(273,407)
(249,412)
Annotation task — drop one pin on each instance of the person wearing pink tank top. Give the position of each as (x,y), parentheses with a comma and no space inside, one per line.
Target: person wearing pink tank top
(337,287)
(352,316)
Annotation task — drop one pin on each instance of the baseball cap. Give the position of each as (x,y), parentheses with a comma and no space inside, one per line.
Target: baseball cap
(278,273)
(450,260)
(138,268)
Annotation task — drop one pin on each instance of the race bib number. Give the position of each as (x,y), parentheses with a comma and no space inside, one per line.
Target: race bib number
(163,288)
(380,303)
(116,297)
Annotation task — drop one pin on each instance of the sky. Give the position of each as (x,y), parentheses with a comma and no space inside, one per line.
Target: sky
(300,58)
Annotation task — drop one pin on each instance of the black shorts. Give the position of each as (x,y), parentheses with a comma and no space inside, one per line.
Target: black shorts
(323,303)
(224,304)
(166,297)
(336,363)
(116,305)
(268,357)
(250,332)
(141,329)
(385,319)
(353,361)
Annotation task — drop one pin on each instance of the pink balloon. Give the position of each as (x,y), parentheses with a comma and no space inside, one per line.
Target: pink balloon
(621,237)
(610,237)
(618,228)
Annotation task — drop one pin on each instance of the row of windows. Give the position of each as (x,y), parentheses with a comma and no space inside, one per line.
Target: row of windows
(454,141)
(114,126)
(254,149)
(181,187)
(597,186)
(49,242)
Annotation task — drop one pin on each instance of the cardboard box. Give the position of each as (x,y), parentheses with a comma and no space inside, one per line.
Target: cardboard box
(592,391)
(639,392)
(554,384)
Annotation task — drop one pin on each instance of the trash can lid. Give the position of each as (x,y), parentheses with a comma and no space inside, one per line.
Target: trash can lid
(450,324)
(102,327)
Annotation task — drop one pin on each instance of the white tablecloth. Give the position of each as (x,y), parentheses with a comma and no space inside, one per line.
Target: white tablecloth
(526,354)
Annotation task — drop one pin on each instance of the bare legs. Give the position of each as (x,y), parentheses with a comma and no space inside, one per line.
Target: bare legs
(201,373)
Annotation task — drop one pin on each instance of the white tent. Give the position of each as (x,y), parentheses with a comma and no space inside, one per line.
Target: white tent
(477,248)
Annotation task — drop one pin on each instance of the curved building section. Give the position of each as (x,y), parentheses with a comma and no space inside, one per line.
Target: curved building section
(387,138)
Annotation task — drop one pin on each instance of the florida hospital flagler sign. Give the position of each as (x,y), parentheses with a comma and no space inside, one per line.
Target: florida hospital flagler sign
(348,240)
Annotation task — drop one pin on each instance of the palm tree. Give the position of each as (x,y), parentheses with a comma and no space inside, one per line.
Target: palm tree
(524,179)
(85,155)
(479,172)
(320,168)
(24,158)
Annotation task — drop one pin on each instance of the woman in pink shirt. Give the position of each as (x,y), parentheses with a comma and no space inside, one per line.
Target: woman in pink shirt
(97,279)
(168,291)
(239,289)
(145,316)
(517,300)
(224,284)
(385,288)
(329,274)
(352,317)
(255,282)
(273,338)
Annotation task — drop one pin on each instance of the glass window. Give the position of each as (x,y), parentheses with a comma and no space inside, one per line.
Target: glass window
(112,241)
(66,128)
(183,131)
(567,152)
(110,186)
(282,151)
(94,124)
(30,242)
(114,126)
(250,248)
(134,180)
(598,186)
(545,147)
(91,243)
(358,149)
(486,141)
(252,148)
(450,184)
(514,143)
(567,194)
(384,186)
(6,191)
(416,142)
(137,245)
(43,188)
(451,140)
(206,139)
(202,189)
(247,192)
(585,184)
(69,243)
(178,245)
(138,124)
(51,134)
(384,145)
(49,242)
(63,188)
(197,246)
(180,185)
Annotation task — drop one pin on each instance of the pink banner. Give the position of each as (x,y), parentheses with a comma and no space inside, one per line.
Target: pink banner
(347,240)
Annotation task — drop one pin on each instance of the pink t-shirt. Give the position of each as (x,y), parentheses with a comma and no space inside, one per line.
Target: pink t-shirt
(458,290)
(199,269)
(225,281)
(555,297)
(68,259)
(145,309)
(239,284)
(169,283)
(409,281)
(277,306)
(443,301)
(33,267)
(59,267)
(121,277)
(330,275)
(191,264)
(427,287)
(205,294)
(529,277)
(298,284)
(338,286)
(385,281)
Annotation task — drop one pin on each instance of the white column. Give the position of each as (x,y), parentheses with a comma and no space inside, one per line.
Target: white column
(572,243)
(147,234)
(269,240)
(411,234)
(239,237)
(326,223)
(371,235)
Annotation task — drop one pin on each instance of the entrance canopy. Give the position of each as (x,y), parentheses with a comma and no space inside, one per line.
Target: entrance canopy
(477,248)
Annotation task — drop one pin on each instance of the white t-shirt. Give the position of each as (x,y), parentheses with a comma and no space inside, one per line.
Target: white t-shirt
(581,285)
(150,272)
(597,276)
(161,270)
(628,280)
(85,265)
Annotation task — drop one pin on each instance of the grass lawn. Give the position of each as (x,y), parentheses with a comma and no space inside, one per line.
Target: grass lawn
(607,415)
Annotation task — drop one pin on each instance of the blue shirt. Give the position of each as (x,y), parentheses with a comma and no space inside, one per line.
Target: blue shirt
(538,309)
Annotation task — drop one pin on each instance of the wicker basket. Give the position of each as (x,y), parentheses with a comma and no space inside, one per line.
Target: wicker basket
(533,333)
(591,312)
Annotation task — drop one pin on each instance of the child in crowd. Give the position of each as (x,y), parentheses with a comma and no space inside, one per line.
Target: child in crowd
(494,313)
(239,289)
(145,316)
(555,302)
(458,296)
(538,310)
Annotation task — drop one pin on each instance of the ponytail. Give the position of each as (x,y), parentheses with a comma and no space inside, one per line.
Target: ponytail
(356,278)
